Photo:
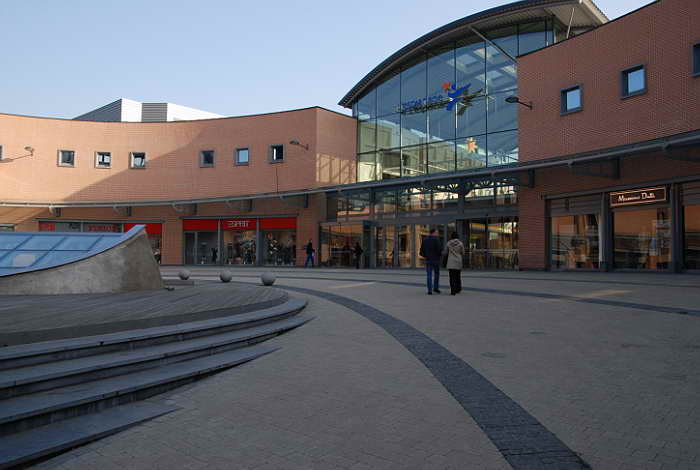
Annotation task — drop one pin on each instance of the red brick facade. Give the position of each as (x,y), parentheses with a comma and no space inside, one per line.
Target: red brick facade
(661,37)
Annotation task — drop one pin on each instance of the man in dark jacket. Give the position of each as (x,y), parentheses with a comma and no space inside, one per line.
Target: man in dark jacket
(431,250)
(309,254)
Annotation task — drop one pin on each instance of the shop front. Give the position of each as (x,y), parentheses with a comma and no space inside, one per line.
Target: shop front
(240,241)
(655,228)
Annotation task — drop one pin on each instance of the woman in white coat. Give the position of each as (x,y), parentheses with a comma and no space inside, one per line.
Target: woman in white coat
(454,251)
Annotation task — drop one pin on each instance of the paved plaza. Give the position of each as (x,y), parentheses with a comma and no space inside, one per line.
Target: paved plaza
(569,369)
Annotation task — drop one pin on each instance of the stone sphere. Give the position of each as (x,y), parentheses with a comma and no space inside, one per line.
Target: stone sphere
(267,279)
(225,276)
(184,274)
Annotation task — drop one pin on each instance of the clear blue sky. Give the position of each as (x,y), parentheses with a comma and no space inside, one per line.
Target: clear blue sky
(65,57)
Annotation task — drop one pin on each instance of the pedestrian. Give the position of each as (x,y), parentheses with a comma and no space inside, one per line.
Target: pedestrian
(309,254)
(431,250)
(454,251)
(358,254)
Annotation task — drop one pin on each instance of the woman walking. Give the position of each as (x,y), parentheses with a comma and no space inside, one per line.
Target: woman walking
(454,251)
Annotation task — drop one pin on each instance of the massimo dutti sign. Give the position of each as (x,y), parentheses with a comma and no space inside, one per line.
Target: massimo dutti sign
(638,196)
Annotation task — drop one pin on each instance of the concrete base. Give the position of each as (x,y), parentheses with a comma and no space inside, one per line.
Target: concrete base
(129,266)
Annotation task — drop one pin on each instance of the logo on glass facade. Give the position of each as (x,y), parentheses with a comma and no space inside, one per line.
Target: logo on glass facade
(452,96)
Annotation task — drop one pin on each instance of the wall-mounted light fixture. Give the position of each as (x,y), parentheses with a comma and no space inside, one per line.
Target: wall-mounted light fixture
(30,150)
(515,99)
(296,142)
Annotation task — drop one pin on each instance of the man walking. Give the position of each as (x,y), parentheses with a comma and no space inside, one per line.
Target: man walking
(309,254)
(431,250)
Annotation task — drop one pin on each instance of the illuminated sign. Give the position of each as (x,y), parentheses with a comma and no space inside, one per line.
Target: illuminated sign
(452,96)
(638,196)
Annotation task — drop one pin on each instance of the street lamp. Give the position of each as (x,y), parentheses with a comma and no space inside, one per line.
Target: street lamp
(515,99)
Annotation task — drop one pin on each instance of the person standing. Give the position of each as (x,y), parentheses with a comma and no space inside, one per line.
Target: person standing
(309,254)
(454,251)
(358,254)
(431,250)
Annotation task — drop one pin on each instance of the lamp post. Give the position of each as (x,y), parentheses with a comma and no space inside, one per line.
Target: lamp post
(515,99)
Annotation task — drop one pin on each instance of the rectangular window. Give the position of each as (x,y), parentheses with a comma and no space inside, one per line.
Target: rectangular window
(138,160)
(696,60)
(0,152)
(242,156)
(206,158)
(276,153)
(103,159)
(66,158)
(571,100)
(634,81)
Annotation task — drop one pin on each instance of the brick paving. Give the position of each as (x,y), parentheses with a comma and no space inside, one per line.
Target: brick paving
(615,382)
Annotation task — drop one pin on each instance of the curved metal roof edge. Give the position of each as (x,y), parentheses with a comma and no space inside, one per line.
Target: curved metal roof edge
(473,18)
(135,230)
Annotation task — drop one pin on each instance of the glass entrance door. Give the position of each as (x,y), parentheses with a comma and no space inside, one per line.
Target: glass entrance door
(490,243)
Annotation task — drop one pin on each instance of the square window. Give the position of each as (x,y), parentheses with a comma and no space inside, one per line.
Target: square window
(696,59)
(571,99)
(206,158)
(634,81)
(103,159)
(242,156)
(276,153)
(138,160)
(66,158)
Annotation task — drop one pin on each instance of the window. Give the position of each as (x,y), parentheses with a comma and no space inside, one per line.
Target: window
(571,100)
(66,158)
(242,156)
(634,81)
(103,160)
(0,152)
(206,158)
(696,60)
(276,153)
(138,160)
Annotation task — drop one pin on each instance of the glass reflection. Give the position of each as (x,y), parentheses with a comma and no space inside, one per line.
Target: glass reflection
(471,152)
(642,239)
(441,157)
(414,160)
(692,237)
(503,148)
(389,163)
(576,242)
(367,133)
(502,116)
(388,96)
(389,131)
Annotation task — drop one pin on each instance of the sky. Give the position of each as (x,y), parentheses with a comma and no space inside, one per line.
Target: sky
(62,58)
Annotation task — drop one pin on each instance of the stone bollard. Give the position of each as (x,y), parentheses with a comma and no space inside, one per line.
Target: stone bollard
(184,274)
(267,279)
(225,276)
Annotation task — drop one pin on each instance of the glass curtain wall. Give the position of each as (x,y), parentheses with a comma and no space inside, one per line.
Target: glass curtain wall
(446,110)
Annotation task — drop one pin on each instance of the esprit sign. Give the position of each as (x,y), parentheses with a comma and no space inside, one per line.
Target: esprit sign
(238,224)
(638,196)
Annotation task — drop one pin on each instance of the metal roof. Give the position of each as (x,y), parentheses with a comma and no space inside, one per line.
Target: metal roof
(586,15)
(22,252)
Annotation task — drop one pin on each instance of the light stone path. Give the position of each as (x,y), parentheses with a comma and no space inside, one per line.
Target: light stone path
(617,384)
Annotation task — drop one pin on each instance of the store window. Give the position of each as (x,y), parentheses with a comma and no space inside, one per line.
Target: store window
(575,242)
(692,237)
(138,160)
(634,81)
(66,158)
(696,60)
(642,238)
(339,246)
(103,159)
(7,228)
(571,100)
(206,158)
(201,241)
(279,241)
(239,241)
(385,246)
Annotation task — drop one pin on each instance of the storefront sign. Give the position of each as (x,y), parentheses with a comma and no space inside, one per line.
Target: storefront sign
(448,100)
(239,224)
(638,196)
(211,225)
(277,223)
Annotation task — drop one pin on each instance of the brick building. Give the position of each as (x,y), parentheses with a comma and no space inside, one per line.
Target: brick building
(544,135)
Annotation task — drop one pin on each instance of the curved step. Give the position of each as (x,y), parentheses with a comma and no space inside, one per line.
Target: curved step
(50,375)
(24,412)
(53,438)
(36,353)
